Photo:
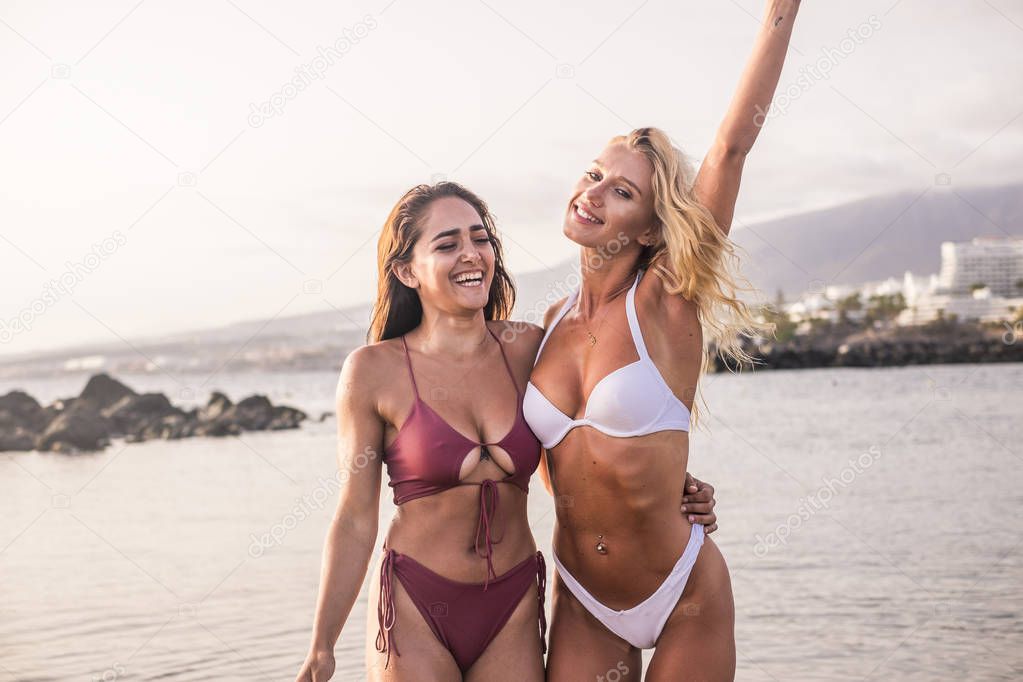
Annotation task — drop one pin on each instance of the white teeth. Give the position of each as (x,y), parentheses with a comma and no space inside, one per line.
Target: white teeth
(591,218)
(470,279)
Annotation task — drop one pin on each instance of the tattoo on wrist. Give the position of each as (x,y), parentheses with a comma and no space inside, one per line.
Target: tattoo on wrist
(778,21)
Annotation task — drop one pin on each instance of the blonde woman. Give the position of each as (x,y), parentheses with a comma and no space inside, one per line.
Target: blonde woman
(435,399)
(612,395)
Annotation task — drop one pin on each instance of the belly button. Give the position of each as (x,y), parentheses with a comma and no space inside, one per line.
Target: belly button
(601,547)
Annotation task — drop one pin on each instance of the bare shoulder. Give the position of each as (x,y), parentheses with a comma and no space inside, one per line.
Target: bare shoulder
(548,316)
(673,321)
(520,340)
(367,369)
(514,332)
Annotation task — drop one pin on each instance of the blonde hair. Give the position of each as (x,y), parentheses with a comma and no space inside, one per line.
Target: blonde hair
(693,255)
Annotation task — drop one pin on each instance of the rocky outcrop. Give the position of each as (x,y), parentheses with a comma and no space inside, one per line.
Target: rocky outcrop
(17,438)
(19,409)
(134,414)
(78,428)
(108,409)
(285,418)
(217,405)
(252,414)
(940,343)
(102,391)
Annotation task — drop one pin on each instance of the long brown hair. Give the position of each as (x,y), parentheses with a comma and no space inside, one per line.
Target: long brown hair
(397,309)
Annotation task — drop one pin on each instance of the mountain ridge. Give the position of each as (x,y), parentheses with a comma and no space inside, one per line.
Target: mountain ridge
(863,240)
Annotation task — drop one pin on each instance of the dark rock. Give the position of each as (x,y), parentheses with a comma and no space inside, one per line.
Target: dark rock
(286,418)
(19,402)
(217,405)
(252,414)
(108,409)
(20,410)
(64,448)
(218,429)
(168,427)
(78,428)
(102,391)
(17,438)
(60,404)
(135,415)
(850,346)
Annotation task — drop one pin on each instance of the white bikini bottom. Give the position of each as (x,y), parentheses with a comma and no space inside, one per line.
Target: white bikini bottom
(641,625)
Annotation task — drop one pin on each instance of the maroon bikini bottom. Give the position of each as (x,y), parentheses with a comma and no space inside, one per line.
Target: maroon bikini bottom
(465,617)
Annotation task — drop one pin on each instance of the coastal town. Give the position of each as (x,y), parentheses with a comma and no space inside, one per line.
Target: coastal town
(970,311)
(980,280)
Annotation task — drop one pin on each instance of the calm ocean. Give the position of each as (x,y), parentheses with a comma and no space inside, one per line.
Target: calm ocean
(871,520)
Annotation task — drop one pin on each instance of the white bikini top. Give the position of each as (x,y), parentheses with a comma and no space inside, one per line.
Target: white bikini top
(633,400)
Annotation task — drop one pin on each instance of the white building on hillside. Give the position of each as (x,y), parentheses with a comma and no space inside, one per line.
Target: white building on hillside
(979,280)
(993,263)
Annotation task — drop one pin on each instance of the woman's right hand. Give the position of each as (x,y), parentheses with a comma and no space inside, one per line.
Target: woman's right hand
(318,666)
(352,533)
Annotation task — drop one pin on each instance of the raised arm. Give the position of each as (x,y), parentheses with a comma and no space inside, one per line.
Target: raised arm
(717,183)
(353,531)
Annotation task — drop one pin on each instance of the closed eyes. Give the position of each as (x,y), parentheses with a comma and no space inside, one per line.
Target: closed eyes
(447,247)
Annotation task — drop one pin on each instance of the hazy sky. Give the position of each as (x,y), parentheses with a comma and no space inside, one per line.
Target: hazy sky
(138,169)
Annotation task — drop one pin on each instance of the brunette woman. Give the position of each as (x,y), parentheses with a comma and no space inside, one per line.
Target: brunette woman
(458,588)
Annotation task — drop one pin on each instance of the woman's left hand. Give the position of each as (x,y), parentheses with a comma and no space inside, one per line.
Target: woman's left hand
(698,503)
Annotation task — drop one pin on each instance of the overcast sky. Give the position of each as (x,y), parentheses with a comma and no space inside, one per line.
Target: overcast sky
(141,168)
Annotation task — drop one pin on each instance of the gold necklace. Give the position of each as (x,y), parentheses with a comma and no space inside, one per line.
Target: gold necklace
(590,335)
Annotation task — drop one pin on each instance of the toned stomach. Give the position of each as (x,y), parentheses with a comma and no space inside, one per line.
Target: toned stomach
(629,491)
(439,532)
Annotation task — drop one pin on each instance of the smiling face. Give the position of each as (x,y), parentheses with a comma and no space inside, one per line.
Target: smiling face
(452,264)
(613,197)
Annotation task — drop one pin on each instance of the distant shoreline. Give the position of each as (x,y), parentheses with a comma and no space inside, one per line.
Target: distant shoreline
(944,342)
(827,345)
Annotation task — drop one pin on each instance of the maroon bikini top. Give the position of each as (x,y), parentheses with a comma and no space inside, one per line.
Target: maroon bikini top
(426,456)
